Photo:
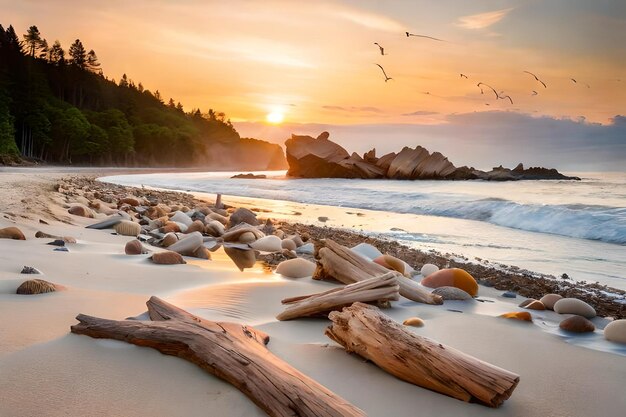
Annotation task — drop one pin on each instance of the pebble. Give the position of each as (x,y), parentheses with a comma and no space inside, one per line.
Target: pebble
(35,286)
(12,233)
(288,244)
(526,302)
(247,237)
(615,331)
(297,240)
(188,244)
(180,217)
(296,268)
(367,251)
(58,242)
(106,224)
(454,277)
(134,247)
(452,293)
(127,228)
(242,258)
(167,258)
(243,215)
(518,315)
(307,248)
(577,324)
(63,249)
(196,226)
(390,262)
(509,294)
(549,300)
(219,218)
(214,228)
(269,243)
(535,305)
(169,239)
(82,211)
(428,269)
(30,270)
(574,306)
(413,321)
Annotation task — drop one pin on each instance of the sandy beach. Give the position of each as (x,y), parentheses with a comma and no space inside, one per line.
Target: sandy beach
(48,371)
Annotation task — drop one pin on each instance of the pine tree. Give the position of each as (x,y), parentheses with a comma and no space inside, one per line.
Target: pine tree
(171,103)
(78,54)
(157,95)
(124,81)
(56,54)
(140,87)
(33,40)
(13,41)
(93,64)
(43,49)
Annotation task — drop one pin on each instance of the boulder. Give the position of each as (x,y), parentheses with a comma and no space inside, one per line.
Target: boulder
(616,331)
(574,306)
(577,324)
(418,163)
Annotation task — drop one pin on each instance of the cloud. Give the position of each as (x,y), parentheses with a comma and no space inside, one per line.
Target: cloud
(354,109)
(371,20)
(421,113)
(482,20)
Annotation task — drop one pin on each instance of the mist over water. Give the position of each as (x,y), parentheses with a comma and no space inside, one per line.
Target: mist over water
(577,227)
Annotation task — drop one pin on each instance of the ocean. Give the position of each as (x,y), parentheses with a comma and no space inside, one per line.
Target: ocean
(576,228)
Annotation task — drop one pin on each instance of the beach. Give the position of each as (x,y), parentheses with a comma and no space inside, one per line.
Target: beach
(49,371)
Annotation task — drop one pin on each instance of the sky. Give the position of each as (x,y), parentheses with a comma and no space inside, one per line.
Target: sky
(313,64)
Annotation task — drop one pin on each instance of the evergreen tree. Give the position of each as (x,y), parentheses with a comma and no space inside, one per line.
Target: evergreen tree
(171,103)
(93,64)
(78,54)
(56,54)
(13,41)
(123,81)
(33,40)
(43,49)
(140,87)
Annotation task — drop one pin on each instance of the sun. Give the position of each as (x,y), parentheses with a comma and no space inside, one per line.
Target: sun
(275,117)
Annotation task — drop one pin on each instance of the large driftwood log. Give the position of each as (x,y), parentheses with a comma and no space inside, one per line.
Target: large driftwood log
(363,329)
(382,288)
(232,352)
(337,262)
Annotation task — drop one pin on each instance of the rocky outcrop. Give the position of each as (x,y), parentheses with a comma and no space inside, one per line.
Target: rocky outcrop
(319,157)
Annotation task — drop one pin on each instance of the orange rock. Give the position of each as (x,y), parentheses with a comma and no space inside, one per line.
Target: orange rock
(535,305)
(518,315)
(390,262)
(577,324)
(454,277)
(12,233)
(167,258)
(170,227)
(169,240)
(526,302)
(196,226)
(131,201)
(134,247)
(81,211)
(414,321)
(36,286)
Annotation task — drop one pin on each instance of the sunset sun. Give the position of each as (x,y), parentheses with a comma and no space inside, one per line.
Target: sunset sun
(275,117)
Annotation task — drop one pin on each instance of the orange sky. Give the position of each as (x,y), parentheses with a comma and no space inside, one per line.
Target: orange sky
(314,61)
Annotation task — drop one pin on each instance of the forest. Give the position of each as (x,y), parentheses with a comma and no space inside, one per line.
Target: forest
(58,107)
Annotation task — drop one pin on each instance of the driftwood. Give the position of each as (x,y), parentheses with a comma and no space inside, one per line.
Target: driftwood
(383,288)
(342,264)
(364,330)
(232,352)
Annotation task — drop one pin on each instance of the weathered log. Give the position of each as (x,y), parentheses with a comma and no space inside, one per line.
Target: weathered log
(364,330)
(382,288)
(230,351)
(337,262)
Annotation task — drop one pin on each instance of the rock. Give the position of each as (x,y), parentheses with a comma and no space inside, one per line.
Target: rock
(241,257)
(196,226)
(180,217)
(167,258)
(526,302)
(30,270)
(297,240)
(307,248)
(106,224)
(249,176)
(127,228)
(323,219)
(131,201)
(82,211)
(316,158)
(187,245)
(63,249)
(428,269)
(296,268)
(574,306)
(214,228)
(367,251)
(518,315)
(57,242)
(454,277)
(36,286)
(202,253)
(169,239)
(247,237)
(615,331)
(43,235)
(413,321)
(243,215)
(509,294)
(549,300)
(419,163)
(535,305)
(68,239)
(170,227)
(268,228)
(577,324)
(288,244)
(250,234)
(390,262)
(452,293)
(12,233)
(269,243)
(219,218)
(134,247)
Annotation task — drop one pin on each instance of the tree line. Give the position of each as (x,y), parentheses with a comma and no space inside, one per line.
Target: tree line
(59,107)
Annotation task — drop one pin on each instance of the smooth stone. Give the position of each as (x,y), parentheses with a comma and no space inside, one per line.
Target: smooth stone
(453,277)
(219,218)
(428,269)
(131,201)
(243,258)
(127,228)
(307,248)
(36,286)
(246,237)
(577,324)
(214,228)
(134,247)
(367,251)
(526,302)
(12,233)
(535,305)
(518,315)
(296,268)
(170,227)
(615,331)
(180,217)
(167,258)
(574,306)
(181,226)
(549,300)
(452,293)
(267,244)
(509,294)
(106,224)
(243,215)
(297,240)
(169,239)
(390,262)
(63,249)
(57,242)
(188,244)
(413,321)
(30,270)
(201,253)
(196,226)
(82,211)
(279,233)
(288,244)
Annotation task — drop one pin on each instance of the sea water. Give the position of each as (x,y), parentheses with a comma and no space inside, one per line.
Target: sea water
(551,227)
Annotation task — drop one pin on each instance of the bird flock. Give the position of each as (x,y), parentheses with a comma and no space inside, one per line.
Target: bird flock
(499,96)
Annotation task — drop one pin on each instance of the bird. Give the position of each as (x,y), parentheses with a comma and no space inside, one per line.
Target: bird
(492,89)
(534,93)
(573,80)
(537,78)
(382,50)
(463,76)
(503,97)
(424,36)
(384,73)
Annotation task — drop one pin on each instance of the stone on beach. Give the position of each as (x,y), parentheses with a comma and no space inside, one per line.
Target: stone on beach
(296,268)
(127,228)
(12,233)
(188,244)
(243,258)
(577,324)
(169,239)
(107,223)
(243,215)
(36,286)
(219,218)
(131,201)
(526,302)
(82,211)
(167,258)
(454,277)
(180,217)
(452,293)
(509,294)
(428,269)
(615,331)
(518,315)
(367,251)
(201,252)
(574,306)
(268,244)
(297,240)
(30,270)
(535,305)
(413,321)
(247,237)
(196,226)
(134,247)
(549,300)
(288,244)
(214,228)
(307,248)
(391,262)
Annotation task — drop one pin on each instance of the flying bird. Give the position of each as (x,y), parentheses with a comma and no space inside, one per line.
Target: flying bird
(537,78)
(423,36)
(384,73)
(463,76)
(573,80)
(492,89)
(534,93)
(503,97)
(382,50)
